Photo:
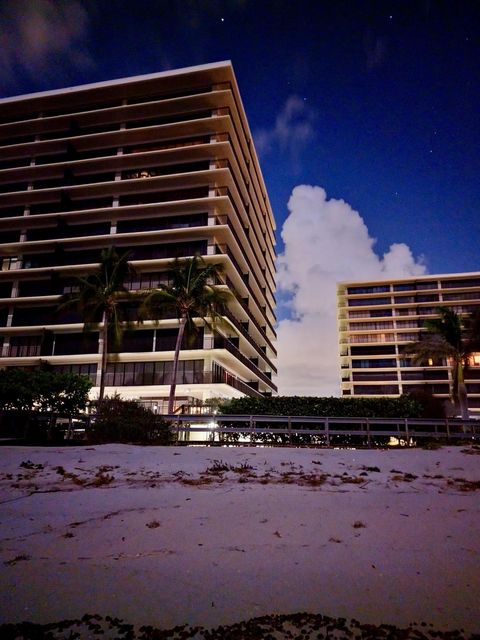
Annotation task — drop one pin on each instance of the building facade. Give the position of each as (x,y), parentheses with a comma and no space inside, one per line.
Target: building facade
(377,319)
(162,166)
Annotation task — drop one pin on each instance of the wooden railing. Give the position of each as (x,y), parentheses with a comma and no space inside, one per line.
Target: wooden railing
(213,428)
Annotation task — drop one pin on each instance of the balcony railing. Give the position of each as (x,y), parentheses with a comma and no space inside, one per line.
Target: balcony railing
(226,220)
(227,251)
(222,376)
(219,342)
(244,306)
(238,325)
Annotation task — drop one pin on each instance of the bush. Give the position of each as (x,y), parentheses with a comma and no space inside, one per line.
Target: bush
(43,390)
(127,421)
(431,407)
(403,407)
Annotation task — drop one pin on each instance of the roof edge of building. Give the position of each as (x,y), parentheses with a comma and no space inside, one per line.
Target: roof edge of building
(119,81)
(428,276)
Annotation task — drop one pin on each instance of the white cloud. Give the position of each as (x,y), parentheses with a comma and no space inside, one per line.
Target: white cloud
(293,129)
(38,34)
(326,241)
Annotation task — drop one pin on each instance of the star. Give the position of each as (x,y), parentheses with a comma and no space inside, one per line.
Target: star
(222,19)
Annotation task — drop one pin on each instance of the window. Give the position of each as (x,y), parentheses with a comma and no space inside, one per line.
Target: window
(470,295)
(372,351)
(408,337)
(431,297)
(360,326)
(135,341)
(404,299)
(410,324)
(23,346)
(72,343)
(415,286)
(159,223)
(159,251)
(458,284)
(29,316)
(379,313)
(148,373)
(166,340)
(79,369)
(374,376)
(375,390)
(372,289)
(5,289)
(368,302)
(384,363)
(372,337)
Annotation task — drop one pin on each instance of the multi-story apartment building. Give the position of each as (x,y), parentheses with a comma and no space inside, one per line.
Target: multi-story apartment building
(160,165)
(377,319)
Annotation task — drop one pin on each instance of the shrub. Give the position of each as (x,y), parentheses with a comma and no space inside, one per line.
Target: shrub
(43,390)
(127,421)
(431,407)
(403,407)
(418,405)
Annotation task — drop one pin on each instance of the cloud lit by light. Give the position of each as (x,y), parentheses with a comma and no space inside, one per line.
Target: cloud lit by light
(36,36)
(326,241)
(293,130)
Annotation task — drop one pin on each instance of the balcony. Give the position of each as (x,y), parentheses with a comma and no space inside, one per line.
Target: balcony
(241,329)
(245,307)
(224,249)
(219,342)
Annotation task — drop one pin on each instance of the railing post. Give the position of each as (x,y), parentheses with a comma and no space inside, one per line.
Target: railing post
(407,435)
(369,439)
(327,431)
(447,424)
(290,430)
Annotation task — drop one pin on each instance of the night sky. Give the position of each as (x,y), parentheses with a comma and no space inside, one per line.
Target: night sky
(377,103)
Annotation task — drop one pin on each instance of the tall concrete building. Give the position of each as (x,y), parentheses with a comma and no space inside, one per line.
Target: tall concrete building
(162,166)
(376,319)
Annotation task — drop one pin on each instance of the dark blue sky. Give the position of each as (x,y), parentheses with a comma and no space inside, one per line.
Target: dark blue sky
(387,95)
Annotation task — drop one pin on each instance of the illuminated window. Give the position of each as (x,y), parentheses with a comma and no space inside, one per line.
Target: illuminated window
(475,360)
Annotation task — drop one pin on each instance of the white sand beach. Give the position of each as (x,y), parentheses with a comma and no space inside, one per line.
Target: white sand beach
(211,536)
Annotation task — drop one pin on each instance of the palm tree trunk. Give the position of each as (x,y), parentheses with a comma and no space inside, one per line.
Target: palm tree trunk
(103,366)
(462,392)
(173,385)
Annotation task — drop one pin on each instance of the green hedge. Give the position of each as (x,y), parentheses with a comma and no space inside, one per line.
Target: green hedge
(403,407)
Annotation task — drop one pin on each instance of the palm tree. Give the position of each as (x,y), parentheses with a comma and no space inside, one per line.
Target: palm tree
(189,295)
(455,338)
(98,297)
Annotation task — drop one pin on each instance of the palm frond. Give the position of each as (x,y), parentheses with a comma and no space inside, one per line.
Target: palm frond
(432,346)
(448,325)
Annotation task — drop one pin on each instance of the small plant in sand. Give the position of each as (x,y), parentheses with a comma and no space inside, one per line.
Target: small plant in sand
(101,479)
(217,467)
(13,561)
(244,467)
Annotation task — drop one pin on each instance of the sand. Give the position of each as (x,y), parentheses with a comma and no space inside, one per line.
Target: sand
(210,536)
